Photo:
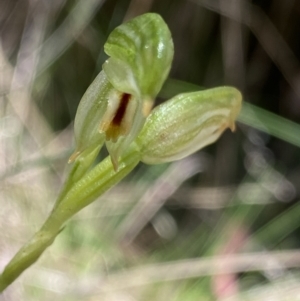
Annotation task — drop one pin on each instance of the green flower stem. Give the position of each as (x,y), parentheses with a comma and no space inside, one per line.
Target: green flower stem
(79,168)
(101,178)
(82,193)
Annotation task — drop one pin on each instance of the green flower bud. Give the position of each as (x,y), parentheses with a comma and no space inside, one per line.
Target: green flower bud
(187,123)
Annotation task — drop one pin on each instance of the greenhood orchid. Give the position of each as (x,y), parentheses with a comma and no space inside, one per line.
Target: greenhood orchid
(116,110)
(115,106)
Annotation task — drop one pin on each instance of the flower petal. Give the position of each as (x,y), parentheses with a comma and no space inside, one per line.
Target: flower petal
(141,52)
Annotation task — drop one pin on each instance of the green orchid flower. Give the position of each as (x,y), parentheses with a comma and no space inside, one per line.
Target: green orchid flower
(115,106)
(116,110)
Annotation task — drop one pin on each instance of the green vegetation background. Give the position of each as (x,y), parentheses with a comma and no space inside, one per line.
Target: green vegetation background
(240,195)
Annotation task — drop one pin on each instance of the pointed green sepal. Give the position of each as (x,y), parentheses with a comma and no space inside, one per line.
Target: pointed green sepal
(90,112)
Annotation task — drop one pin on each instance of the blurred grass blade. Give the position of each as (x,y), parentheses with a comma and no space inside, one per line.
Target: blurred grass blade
(78,18)
(279,227)
(270,123)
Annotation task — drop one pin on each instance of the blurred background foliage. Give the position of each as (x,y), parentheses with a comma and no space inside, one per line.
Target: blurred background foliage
(220,225)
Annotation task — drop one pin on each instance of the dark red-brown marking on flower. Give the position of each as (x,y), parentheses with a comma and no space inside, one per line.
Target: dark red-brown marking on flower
(120,113)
